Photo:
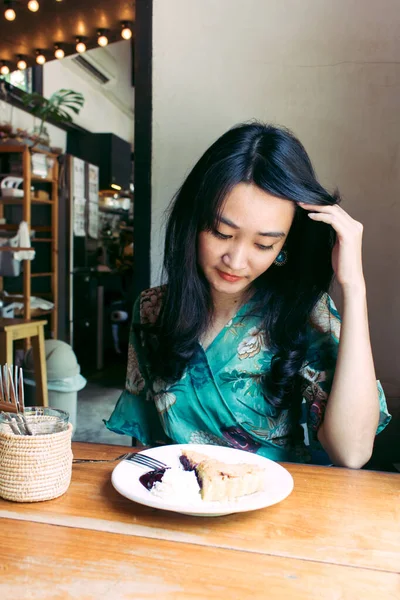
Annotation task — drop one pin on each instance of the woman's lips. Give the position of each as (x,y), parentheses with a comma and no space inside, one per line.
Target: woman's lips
(227,277)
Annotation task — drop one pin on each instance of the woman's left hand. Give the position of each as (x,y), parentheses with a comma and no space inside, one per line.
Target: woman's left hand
(346,255)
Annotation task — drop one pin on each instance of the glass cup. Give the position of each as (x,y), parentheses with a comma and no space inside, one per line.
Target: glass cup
(42,420)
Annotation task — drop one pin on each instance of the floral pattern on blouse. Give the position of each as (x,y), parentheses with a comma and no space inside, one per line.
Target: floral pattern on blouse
(220,398)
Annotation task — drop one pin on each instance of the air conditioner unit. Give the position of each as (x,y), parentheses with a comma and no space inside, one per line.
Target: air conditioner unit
(99,66)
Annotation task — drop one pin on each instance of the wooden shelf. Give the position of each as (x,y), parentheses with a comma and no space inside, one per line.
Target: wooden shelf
(13,249)
(40,228)
(51,243)
(39,314)
(46,152)
(10,147)
(14,227)
(39,179)
(12,200)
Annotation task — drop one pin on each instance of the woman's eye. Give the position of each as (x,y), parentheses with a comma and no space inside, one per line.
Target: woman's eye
(261,247)
(220,235)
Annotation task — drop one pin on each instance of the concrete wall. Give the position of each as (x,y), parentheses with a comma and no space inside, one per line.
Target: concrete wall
(328,70)
(108,108)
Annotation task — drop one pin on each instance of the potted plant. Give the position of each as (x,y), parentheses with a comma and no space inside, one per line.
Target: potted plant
(57,108)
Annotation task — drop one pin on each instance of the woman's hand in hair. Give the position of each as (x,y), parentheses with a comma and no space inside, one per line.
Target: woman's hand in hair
(346,255)
(352,412)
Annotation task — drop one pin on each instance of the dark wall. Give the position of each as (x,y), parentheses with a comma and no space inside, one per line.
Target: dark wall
(106,150)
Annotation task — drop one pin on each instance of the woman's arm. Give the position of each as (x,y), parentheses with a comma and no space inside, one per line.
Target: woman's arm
(352,413)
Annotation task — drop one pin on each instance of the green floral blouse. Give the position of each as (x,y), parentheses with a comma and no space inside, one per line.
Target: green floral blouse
(220,400)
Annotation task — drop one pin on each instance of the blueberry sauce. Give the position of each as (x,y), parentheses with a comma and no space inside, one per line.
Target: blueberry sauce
(186,463)
(151,477)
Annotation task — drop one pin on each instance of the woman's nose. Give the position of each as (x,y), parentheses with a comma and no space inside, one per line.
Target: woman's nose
(236,258)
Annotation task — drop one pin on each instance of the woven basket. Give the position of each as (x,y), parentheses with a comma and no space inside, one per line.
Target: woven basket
(34,468)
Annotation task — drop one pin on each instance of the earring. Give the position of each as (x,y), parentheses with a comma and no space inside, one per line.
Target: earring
(281,259)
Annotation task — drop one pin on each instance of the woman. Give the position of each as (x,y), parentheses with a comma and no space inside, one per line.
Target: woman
(241,347)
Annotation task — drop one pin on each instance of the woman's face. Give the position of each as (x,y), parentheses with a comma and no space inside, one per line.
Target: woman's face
(249,236)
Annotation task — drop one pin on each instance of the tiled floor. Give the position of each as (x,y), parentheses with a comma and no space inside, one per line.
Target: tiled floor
(95,403)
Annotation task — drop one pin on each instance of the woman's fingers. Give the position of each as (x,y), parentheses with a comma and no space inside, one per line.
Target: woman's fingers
(333,215)
(331,209)
(319,207)
(325,217)
(339,225)
(346,255)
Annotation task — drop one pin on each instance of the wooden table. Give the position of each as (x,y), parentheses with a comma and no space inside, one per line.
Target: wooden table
(336,536)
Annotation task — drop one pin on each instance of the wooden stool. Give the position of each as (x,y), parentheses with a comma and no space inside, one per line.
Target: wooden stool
(21,329)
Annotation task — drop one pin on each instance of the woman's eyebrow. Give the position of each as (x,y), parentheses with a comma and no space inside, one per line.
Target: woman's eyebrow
(273,234)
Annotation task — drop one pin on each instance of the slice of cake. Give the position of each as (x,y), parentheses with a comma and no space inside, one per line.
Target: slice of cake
(190,459)
(220,481)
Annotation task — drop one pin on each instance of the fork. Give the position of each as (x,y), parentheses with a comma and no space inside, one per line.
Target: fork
(146,461)
(141,459)
(12,399)
(8,399)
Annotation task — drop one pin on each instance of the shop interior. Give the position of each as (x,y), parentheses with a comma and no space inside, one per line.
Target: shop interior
(67,86)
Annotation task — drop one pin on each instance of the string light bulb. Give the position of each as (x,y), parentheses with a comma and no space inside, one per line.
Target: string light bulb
(21,64)
(33,5)
(40,57)
(102,39)
(126,31)
(80,46)
(58,52)
(9,13)
(4,69)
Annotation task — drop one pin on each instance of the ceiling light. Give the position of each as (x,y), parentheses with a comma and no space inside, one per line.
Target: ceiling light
(80,46)
(59,52)
(4,69)
(33,5)
(9,13)
(102,39)
(21,64)
(40,57)
(116,187)
(126,31)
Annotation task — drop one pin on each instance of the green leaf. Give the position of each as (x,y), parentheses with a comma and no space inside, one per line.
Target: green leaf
(56,107)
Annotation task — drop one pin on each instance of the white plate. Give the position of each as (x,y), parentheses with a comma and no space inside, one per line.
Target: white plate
(278,481)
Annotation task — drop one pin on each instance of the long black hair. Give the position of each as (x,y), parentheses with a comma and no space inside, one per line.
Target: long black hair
(273,159)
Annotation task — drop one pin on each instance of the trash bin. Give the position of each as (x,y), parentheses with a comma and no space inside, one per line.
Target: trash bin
(63,378)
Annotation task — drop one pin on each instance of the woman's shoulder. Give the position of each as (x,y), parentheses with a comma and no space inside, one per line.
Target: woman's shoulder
(148,305)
